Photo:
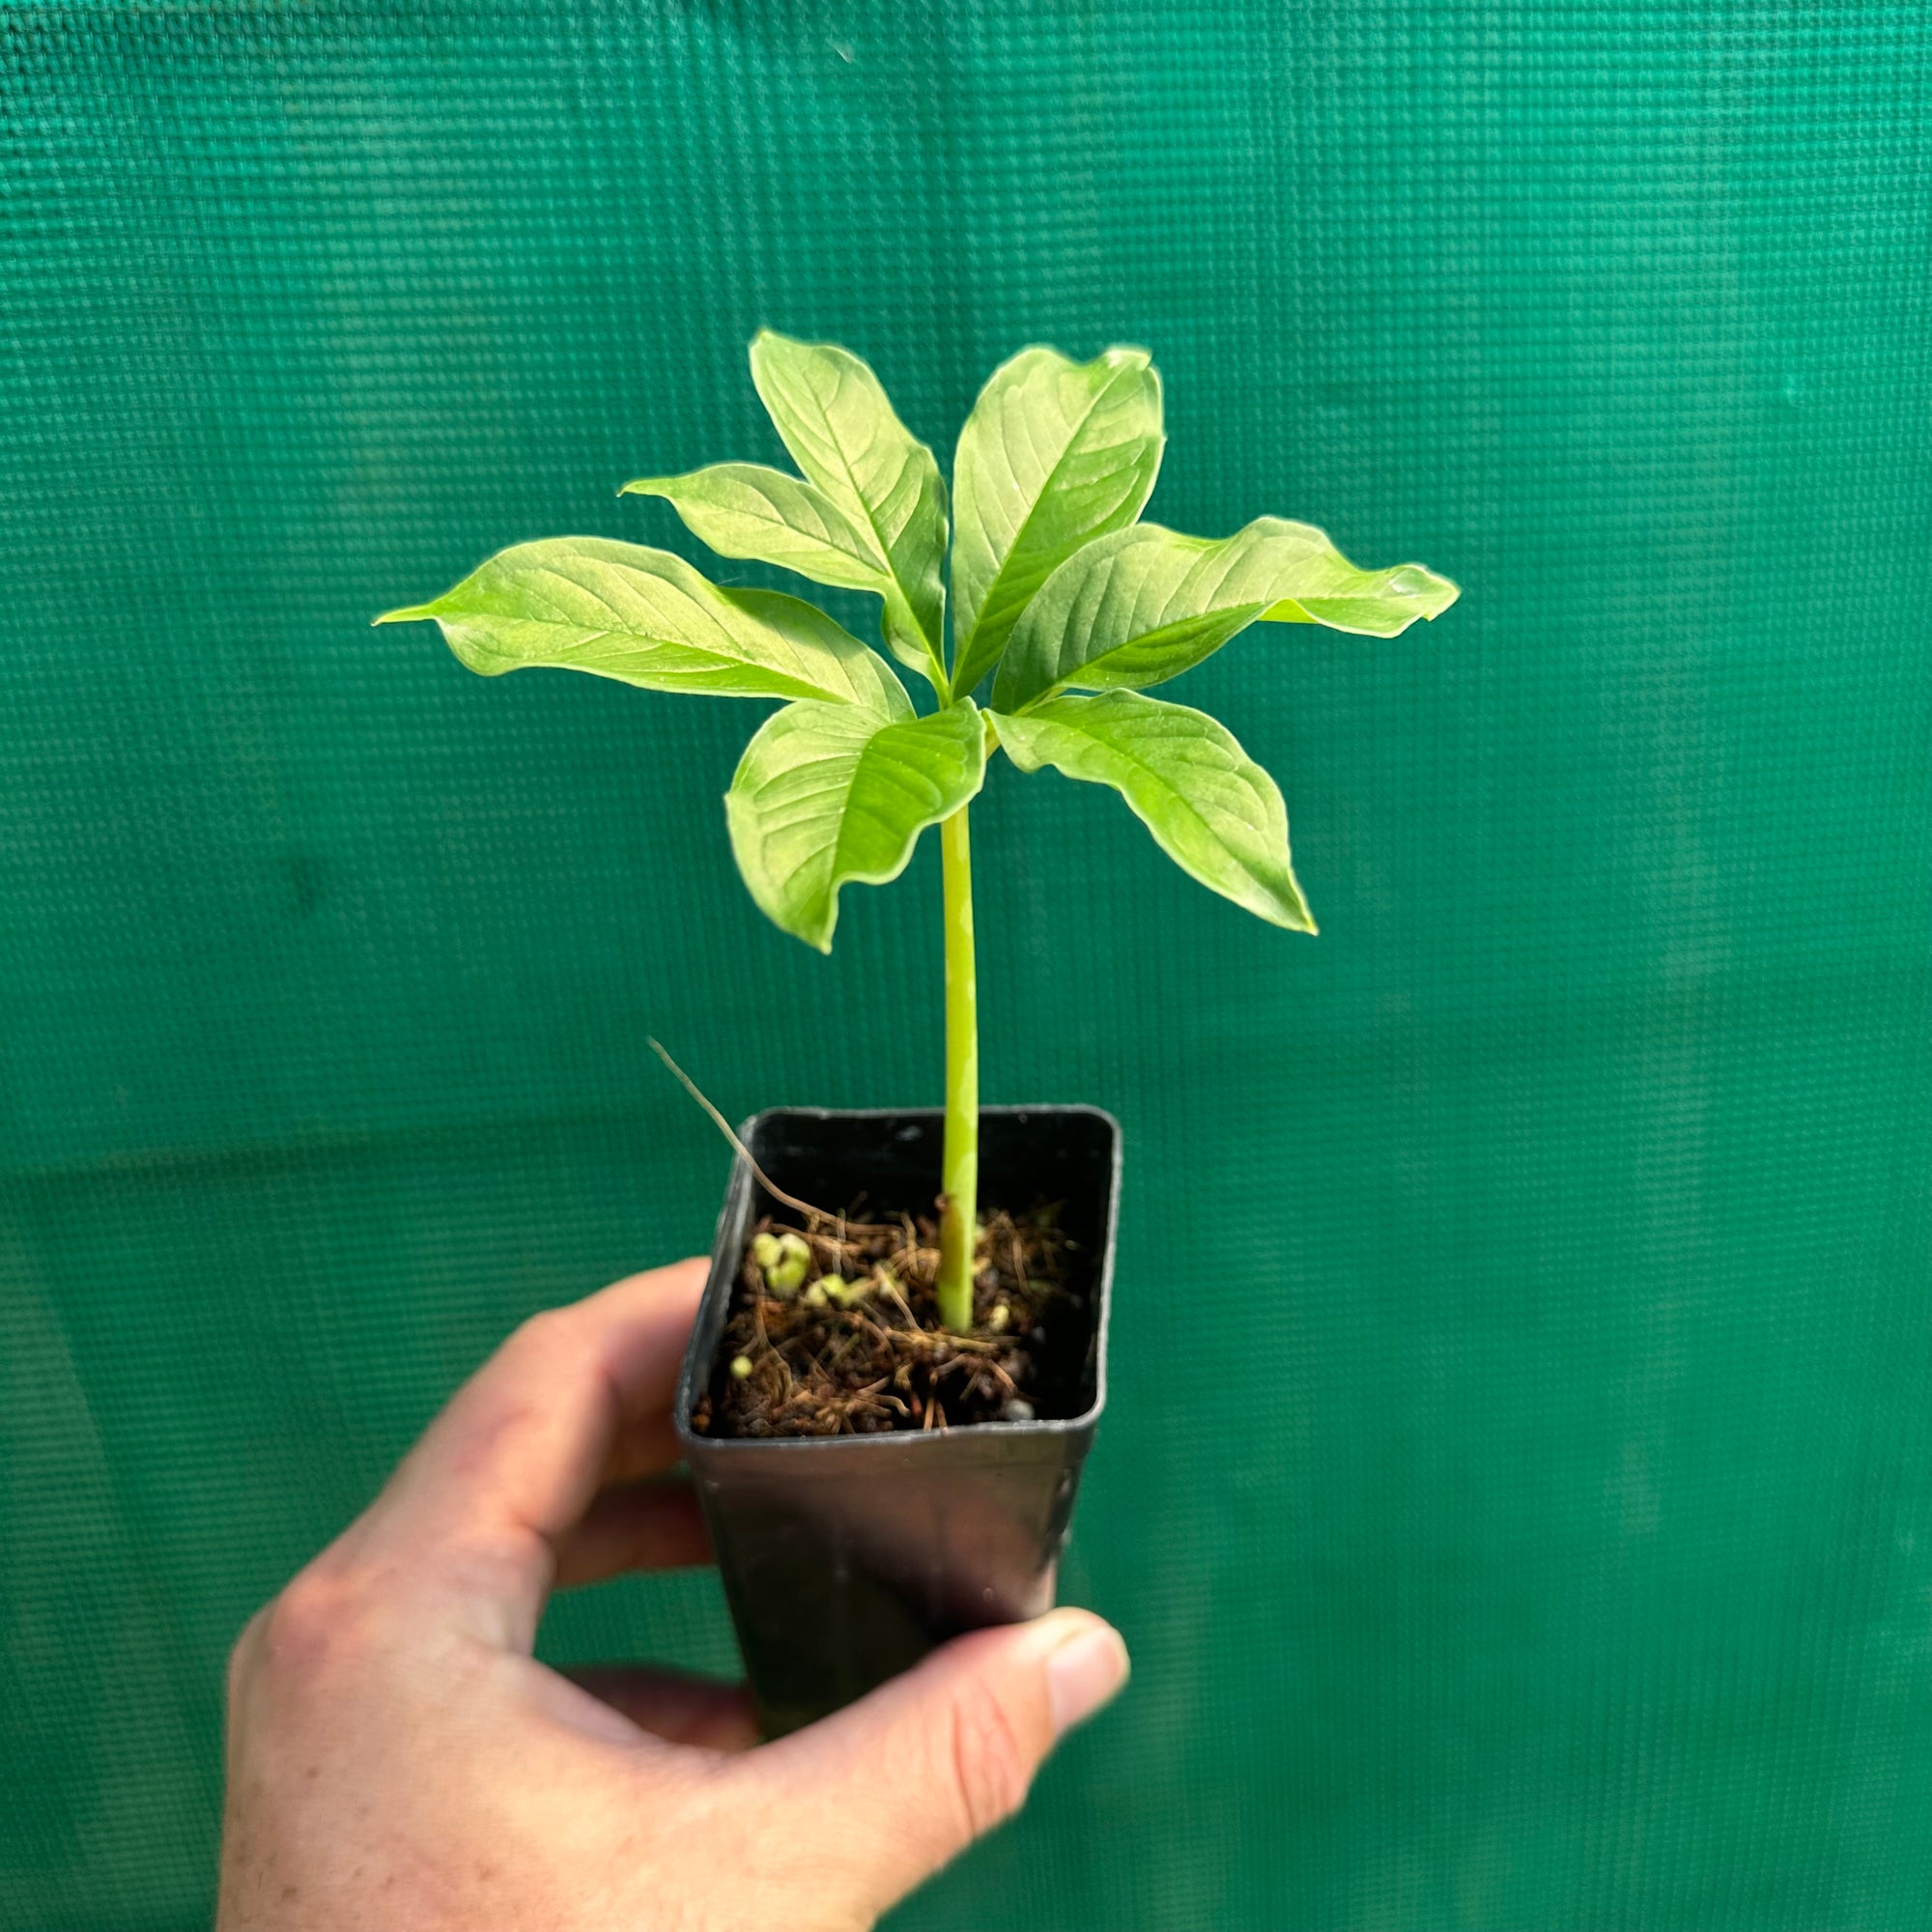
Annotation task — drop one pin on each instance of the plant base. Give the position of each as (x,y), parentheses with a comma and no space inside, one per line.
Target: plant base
(870,1353)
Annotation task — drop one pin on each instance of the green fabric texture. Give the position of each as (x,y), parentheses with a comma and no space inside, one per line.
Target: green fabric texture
(1517,1489)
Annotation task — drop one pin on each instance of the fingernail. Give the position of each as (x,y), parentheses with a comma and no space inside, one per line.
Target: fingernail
(1083,1673)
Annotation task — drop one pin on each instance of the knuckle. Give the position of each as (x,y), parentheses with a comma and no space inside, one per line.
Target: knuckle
(242,1653)
(989,1768)
(316,1623)
(541,1348)
(541,1334)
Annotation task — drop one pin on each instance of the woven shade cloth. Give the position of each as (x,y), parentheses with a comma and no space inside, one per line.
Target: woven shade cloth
(1516,1491)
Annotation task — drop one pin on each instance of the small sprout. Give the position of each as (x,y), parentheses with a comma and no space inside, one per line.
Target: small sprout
(741,1367)
(840,1293)
(815,1295)
(784,1260)
(998,1319)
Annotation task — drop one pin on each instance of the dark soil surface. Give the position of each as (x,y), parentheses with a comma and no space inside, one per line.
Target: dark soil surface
(860,1362)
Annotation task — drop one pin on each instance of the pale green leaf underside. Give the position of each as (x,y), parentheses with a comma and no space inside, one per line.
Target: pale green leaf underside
(825,796)
(648,618)
(1211,808)
(1146,603)
(836,420)
(746,510)
(1054,454)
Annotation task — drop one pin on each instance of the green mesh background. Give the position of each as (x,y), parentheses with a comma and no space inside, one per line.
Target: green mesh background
(1519,1486)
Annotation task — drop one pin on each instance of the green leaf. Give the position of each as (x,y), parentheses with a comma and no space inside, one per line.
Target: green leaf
(648,618)
(835,418)
(1147,604)
(825,794)
(745,510)
(1211,808)
(1055,454)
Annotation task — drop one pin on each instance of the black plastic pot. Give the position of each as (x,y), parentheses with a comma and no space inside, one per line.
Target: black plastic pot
(847,1558)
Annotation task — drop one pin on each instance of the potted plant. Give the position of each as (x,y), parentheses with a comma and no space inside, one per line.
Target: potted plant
(899,1359)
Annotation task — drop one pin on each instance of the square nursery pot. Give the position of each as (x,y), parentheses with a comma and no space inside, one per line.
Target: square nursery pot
(847,1558)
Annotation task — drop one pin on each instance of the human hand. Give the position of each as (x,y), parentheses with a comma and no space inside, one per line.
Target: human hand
(398,1760)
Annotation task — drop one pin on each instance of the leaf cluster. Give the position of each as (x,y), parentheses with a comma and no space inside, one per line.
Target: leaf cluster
(1060,594)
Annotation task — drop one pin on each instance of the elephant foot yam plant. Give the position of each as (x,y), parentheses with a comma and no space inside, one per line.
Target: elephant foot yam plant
(1073,608)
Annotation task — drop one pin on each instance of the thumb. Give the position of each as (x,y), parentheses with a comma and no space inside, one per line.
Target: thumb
(953,1742)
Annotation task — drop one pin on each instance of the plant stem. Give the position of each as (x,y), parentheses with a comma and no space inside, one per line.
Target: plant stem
(959,1161)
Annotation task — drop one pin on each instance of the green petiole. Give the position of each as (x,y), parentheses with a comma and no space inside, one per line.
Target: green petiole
(959,1157)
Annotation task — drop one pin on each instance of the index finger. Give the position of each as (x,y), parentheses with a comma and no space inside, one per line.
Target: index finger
(514,1458)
